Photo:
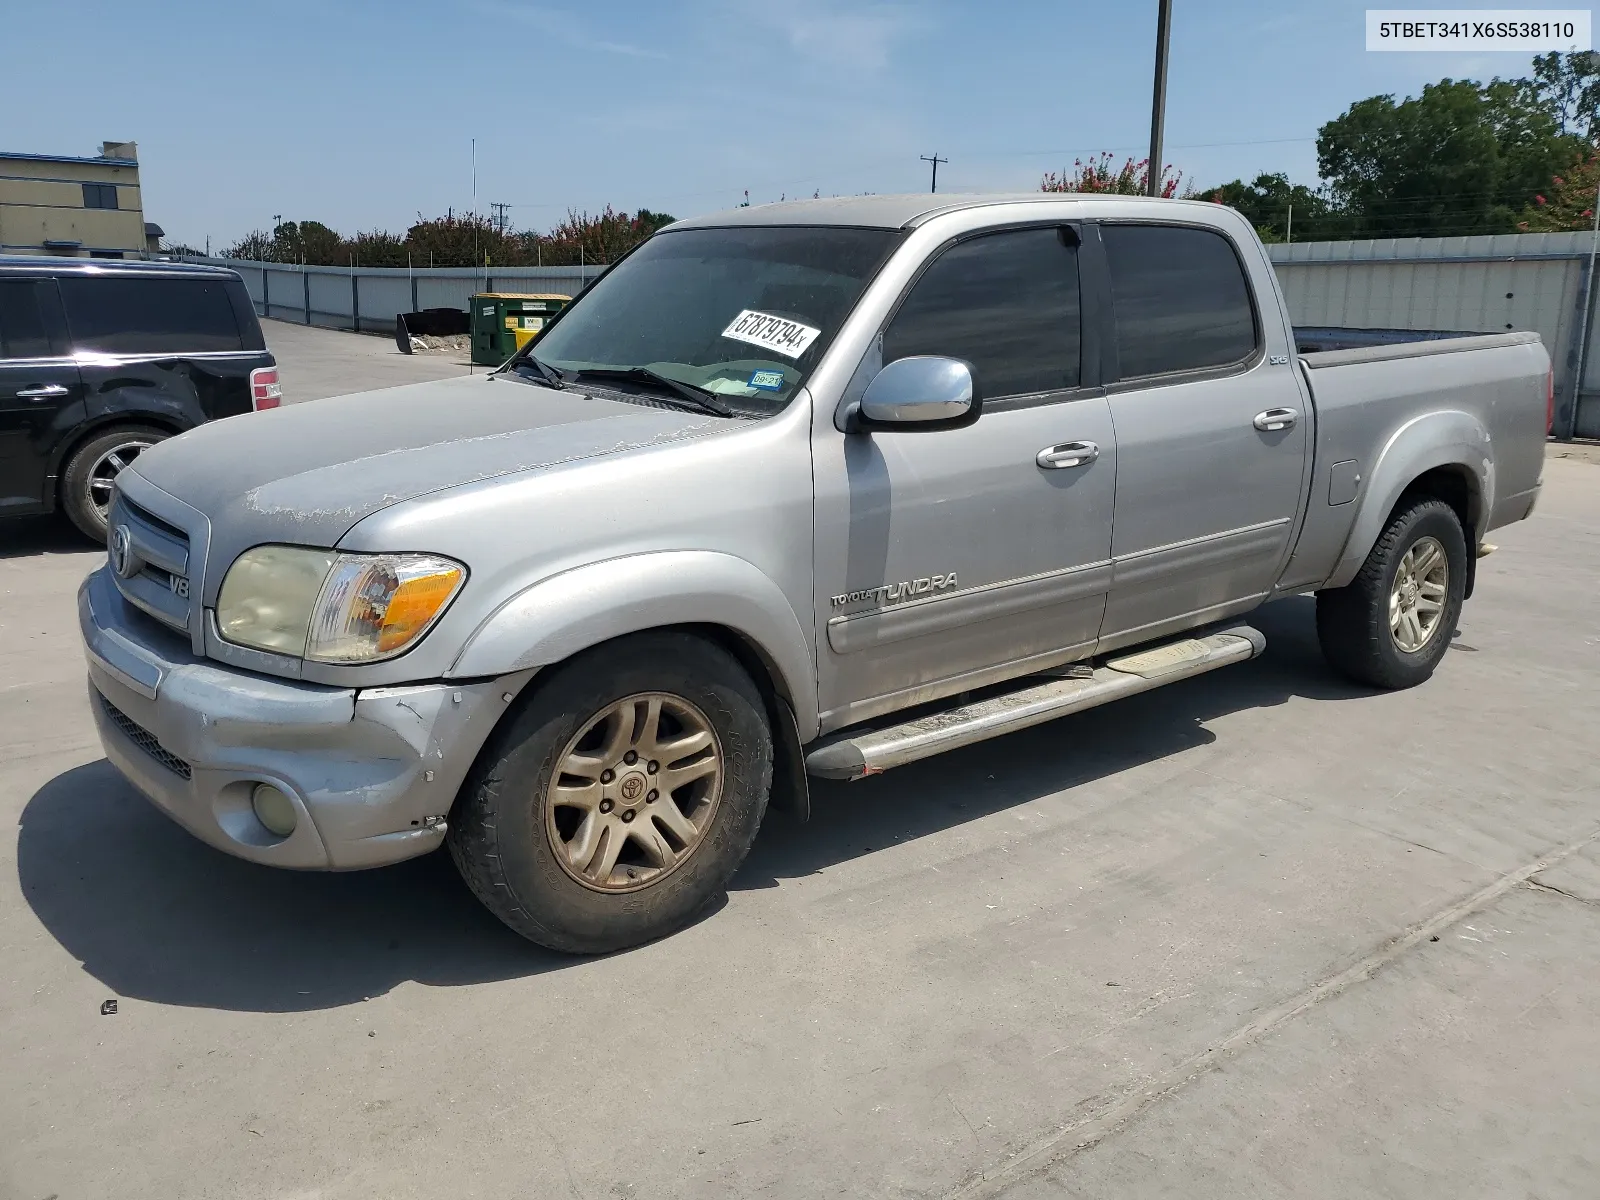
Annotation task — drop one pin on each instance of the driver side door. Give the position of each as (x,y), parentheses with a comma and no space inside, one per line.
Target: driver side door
(952,558)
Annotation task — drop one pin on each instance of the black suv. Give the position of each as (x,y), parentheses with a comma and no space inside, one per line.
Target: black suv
(99,361)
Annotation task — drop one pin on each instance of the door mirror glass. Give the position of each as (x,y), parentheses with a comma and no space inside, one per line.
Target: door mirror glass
(923,391)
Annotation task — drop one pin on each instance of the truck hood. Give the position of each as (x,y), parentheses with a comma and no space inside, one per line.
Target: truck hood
(308,473)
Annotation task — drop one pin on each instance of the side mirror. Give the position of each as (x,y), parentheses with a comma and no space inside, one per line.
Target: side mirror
(921,392)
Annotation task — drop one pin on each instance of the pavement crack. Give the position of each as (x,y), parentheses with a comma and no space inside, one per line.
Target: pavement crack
(1102,1121)
(1540,885)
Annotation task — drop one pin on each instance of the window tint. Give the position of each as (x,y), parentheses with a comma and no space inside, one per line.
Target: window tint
(149,316)
(100,195)
(1181,299)
(22,332)
(1005,302)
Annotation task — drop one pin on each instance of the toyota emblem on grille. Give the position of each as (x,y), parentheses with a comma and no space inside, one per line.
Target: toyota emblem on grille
(121,551)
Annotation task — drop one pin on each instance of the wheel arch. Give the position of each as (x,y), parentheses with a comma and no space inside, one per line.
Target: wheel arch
(1443,455)
(724,598)
(92,429)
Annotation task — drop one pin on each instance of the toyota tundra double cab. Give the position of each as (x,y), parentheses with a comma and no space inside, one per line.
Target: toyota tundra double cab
(807,489)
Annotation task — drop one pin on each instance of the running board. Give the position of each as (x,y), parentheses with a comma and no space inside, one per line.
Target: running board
(862,753)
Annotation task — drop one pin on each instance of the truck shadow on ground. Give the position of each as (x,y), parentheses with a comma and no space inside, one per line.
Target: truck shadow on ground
(155,915)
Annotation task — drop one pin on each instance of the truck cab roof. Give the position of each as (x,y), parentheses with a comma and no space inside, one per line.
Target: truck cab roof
(910,211)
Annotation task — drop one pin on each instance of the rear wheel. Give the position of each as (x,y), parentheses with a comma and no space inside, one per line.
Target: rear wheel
(617,804)
(90,479)
(1393,623)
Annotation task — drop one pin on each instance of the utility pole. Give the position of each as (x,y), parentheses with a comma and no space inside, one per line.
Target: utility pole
(501,221)
(935,160)
(1289,233)
(1158,101)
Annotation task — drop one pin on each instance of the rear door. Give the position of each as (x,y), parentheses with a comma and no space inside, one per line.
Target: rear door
(1211,432)
(41,396)
(955,557)
(162,344)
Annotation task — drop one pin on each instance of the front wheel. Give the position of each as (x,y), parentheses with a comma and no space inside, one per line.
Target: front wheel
(1392,623)
(617,804)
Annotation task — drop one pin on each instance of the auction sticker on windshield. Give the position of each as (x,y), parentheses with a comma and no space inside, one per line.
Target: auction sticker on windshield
(778,334)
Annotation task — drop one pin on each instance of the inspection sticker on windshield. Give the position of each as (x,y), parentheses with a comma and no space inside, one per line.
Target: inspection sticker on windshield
(767,381)
(778,334)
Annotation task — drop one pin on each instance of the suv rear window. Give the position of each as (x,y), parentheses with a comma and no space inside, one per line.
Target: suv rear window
(120,315)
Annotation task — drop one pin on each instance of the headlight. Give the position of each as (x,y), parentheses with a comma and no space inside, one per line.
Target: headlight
(332,607)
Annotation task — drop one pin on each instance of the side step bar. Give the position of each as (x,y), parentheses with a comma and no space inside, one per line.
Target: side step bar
(862,753)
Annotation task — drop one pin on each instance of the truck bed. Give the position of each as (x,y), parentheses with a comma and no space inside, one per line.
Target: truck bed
(1388,412)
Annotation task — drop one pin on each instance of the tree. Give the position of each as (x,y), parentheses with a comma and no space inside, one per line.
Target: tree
(1568,87)
(1098,175)
(1266,202)
(1461,158)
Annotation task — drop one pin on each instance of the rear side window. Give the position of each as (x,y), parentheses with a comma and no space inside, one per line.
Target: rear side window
(22,329)
(1181,299)
(1007,302)
(149,316)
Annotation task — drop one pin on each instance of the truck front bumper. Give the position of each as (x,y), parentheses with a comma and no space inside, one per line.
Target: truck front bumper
(371,773)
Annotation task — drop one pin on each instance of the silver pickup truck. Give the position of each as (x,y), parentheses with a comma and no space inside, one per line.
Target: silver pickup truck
(807,489)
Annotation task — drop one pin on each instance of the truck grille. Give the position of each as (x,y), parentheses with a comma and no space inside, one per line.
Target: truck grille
(157,562)
(143,738)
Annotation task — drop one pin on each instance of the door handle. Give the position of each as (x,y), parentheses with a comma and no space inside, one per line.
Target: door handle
(1068,454)
(43,392)
(1275,419)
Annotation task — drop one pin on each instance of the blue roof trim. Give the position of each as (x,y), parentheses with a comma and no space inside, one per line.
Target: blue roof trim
(67,158)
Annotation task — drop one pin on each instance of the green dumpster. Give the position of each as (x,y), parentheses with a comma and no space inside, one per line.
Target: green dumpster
(503,321)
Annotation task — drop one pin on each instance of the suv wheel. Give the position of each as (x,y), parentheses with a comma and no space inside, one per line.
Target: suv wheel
(616,805)
(1392,623)
(89,481)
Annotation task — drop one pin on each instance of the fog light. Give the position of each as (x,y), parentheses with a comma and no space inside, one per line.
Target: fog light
(273,809)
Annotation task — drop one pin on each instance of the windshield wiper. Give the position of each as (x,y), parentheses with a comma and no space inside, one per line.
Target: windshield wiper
(549,374)
(702,398)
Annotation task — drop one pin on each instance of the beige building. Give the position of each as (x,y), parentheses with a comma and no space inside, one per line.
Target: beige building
(80,207)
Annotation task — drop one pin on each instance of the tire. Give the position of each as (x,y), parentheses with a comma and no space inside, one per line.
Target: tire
(85,484)
(539,864)
(1356,623)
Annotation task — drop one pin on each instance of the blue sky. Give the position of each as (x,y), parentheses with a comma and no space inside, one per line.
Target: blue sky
(360,113)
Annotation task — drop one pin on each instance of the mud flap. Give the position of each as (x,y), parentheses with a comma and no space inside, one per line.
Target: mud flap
(791,789)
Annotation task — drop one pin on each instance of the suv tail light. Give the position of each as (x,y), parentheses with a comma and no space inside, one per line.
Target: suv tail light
(1550,401)
(265,390)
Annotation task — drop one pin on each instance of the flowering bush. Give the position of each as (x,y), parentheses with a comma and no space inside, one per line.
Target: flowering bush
(1100,175)
(1569,202)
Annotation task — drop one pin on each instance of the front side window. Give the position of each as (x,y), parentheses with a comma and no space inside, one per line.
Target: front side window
(1181,299)
(742,313)
(122,315)
(1008,303)
(22,331)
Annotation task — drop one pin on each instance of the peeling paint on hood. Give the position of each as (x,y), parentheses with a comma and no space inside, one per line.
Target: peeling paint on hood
(309,472)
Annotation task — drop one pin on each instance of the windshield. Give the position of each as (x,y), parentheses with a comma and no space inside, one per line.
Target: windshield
(743,313)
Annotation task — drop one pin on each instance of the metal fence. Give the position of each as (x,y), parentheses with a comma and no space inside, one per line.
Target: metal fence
(367,299)
(1532,281)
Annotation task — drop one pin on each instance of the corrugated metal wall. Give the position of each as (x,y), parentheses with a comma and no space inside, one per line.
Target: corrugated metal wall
(368,298)
(1491,284)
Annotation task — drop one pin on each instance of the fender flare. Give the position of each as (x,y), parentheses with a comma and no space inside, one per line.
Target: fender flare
(1438,439)
(555,618)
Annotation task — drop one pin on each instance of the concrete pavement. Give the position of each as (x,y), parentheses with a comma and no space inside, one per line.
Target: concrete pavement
(1182,945)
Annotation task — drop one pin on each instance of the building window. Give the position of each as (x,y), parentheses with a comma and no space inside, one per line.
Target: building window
(99,195)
